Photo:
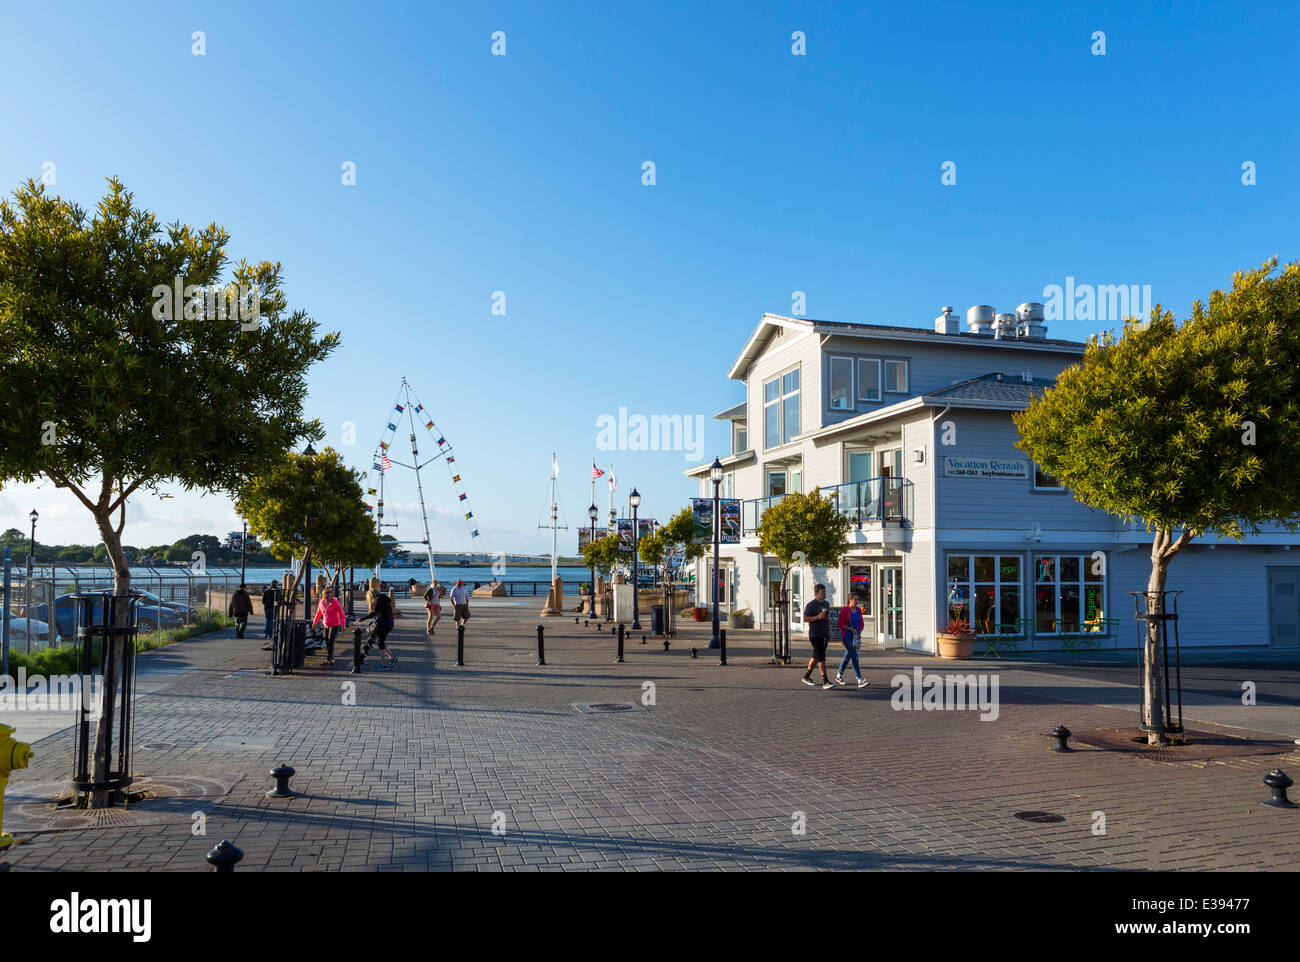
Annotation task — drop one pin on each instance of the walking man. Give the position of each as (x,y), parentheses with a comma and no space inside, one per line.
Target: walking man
(268,608)
(460,600)
(817,616)
(241,606)
(850,628)
(433,605)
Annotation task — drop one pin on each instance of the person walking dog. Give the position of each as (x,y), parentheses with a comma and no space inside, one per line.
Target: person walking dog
(817,616)
(241,606)
(849,626)
(331,610)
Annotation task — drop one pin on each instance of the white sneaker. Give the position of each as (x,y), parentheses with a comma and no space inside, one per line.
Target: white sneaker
(863,683)
(829,684)
(808,681)
(838,679)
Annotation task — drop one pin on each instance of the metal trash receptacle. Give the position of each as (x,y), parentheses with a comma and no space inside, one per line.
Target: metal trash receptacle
(657,619)
(298,644)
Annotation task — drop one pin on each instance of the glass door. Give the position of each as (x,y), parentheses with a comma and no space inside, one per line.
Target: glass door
(860,583)
(796,600)
(891,605)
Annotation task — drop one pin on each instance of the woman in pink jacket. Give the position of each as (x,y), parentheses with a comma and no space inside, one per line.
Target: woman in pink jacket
(330,610)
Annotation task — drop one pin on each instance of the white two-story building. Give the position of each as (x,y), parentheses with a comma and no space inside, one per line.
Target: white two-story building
(910,430)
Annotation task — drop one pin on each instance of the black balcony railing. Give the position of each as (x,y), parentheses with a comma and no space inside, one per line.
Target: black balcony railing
(875,499)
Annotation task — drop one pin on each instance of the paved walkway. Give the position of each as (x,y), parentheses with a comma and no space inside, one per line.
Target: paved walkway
(736,768)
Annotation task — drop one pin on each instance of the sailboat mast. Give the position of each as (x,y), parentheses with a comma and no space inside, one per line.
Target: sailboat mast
(554,519)
(379,518)
(419,490)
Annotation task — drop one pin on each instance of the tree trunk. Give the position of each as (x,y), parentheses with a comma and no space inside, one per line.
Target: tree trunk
(113,665)
(1153,678)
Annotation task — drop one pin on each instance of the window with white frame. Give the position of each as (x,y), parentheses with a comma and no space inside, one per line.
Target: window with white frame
(896,376)
(740,440)
(781,409)
(841,384)
(1069,592)
(868,379)
(985,590)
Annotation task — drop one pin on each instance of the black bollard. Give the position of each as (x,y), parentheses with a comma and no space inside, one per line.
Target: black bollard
(357,656)
(1061,734)
(541,645)
(224,856)
(694,651)
(722,646)
(1278,782)
(460,646)
(282,773)
(665,643)
(643,639)
(586,623)
(619,660)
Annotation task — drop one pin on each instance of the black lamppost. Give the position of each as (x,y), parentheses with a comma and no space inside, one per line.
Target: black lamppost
(715,475)
(592,513)
(310,452)
(243,563)
(635,501)
(27,585)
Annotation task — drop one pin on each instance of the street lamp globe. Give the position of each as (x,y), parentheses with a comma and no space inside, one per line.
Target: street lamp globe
(34,515)
(593,512)
(634,499)
(715,471)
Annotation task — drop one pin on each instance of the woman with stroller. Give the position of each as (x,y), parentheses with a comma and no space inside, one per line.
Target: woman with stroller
(381,613)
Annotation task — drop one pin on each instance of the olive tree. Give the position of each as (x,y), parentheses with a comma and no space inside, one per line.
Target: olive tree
(1186,428)
(126,362)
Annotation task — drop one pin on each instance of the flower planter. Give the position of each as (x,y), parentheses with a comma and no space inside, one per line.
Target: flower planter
(701,614)
(955,646)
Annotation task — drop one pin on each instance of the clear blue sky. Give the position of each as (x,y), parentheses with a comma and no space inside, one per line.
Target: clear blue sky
(775,173)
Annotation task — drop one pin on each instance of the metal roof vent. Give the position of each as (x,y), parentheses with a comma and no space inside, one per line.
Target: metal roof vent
(1005,326)
(947,322)
(979,319)
(1029,317)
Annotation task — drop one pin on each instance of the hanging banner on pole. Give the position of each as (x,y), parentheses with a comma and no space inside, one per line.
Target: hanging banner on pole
(701,521)
(625,534)
(584,536)
(729,533)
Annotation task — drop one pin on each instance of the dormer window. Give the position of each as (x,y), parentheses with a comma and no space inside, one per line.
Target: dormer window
(896,376)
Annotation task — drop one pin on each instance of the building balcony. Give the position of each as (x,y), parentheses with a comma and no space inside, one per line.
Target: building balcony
(875,499)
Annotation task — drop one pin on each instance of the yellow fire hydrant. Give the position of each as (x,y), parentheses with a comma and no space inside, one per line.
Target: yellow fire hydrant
(13,755)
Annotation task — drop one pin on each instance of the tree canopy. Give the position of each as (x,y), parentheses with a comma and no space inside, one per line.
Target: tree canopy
(805,528)
(1185,426)
(311,502)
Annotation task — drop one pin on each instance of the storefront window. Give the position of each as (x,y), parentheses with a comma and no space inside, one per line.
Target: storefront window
(1069,592)
(985,589)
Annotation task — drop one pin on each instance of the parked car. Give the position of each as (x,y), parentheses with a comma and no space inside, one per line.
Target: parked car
(186,611)
(149,616)
(18,629)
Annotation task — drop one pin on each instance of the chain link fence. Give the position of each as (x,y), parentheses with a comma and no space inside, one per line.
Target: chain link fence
(41,613)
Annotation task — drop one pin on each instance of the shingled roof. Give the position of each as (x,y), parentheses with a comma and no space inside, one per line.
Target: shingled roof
(994,387)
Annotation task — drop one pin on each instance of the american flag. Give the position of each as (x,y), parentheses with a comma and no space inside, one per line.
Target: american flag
(596,473)
(385,462)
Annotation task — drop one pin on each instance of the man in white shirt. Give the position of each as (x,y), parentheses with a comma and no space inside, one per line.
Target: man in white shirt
(460,599)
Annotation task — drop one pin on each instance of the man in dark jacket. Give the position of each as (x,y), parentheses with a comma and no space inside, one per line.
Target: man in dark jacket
(268,608)
(382,615)
(241,606)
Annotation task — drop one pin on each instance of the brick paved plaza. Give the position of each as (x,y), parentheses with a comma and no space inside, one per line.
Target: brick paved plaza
(708,777)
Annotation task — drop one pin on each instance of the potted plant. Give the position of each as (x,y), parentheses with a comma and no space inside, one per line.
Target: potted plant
(701,614)
(957,640)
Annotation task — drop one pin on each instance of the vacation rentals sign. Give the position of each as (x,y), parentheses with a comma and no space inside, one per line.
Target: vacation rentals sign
(984,468)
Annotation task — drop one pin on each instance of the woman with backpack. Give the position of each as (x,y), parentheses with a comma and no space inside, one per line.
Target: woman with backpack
(433,605)
(850,628)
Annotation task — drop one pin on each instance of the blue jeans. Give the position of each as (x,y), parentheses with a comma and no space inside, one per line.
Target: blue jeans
(850,653)
(270,618)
